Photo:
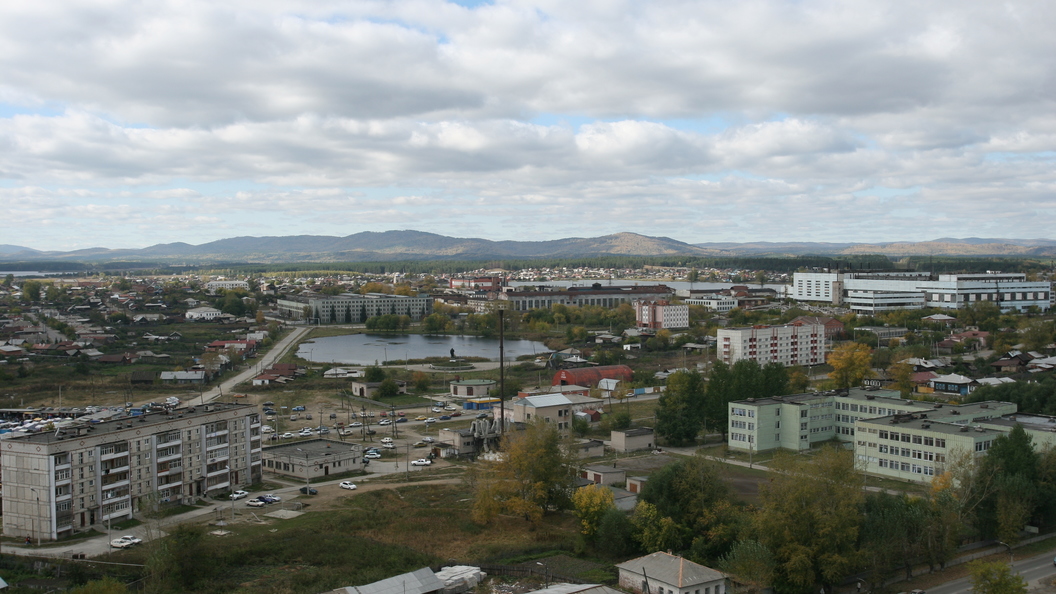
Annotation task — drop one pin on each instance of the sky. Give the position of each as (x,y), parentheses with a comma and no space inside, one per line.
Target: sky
(127,123)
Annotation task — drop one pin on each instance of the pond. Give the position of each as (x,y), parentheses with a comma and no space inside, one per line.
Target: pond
(366,349)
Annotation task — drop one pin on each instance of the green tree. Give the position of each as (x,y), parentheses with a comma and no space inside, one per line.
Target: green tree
(995,577)
(810,518)
(107,585)
(655,532)
(388,389)
(678,412)
(374,374)
(591,503)
(850,365)
(534,476)
(615,536)
(435,323)
(751,564)
(902,374)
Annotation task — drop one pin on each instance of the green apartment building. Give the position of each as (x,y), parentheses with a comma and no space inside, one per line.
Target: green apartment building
(893,437)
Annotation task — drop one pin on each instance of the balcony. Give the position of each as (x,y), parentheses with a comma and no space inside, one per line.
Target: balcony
(169,456)
(117,453)
(216,433)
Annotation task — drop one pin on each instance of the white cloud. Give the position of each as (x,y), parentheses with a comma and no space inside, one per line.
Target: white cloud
(762,119)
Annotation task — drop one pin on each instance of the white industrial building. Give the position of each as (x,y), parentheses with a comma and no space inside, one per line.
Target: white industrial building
(873,292)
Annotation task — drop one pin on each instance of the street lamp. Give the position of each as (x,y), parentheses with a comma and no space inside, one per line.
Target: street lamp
(307,479)
(1004,544)
(546,574)
(33,526)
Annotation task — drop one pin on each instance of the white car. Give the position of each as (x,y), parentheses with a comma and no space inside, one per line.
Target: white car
(389,446)
(356,424)
(255,503)
(124,542)
(273,496)
(422,462)
(305,433)
(450,407)
(428,439)
(266,429)
(372,456)
(386,440)
(240,494)
(348,485)
(437,409)
(385,422)
(287,435)
(430,420)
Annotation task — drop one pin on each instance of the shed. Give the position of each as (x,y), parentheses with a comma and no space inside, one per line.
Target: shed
(632,440)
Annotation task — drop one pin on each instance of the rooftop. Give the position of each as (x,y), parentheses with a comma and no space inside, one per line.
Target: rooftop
(314,448)
(147,422)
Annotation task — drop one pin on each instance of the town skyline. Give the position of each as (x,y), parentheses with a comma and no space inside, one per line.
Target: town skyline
(129,125)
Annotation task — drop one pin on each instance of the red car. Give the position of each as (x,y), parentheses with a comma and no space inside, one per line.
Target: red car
(401,413)
(456,414)
(384,414)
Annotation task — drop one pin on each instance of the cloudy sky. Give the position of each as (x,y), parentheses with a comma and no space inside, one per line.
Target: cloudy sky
(125,123)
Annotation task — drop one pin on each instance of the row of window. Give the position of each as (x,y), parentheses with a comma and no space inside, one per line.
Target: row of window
(911,438)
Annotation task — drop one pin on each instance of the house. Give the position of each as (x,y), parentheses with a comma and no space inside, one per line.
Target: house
(369,389)
(954,384)
(141,378)
(203,314)
(664,573)
(552,408)
(633,440)
(183,377)
(1013,362)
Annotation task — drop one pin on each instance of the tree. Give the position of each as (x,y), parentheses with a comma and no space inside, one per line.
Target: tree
(850,365)
(902,374)
(810,518)
(534,476)
(655,532)
(421,381)
(615,535)
(107,585)
(373,374)
(435,323)
(678,414)
(591,503)
(388,389)
(995,577)
(751,563)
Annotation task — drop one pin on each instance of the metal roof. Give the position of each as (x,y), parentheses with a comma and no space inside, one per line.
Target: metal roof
(672,569)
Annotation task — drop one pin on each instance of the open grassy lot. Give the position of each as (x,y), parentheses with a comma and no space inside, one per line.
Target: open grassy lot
(366,537)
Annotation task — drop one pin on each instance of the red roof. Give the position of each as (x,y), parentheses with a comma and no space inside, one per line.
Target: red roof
(590,376)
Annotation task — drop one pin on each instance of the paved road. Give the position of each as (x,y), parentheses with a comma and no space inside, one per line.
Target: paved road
(1033,569)
(264,362)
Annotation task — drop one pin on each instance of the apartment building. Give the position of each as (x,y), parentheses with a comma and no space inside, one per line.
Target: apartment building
(595,294)
(873,292)
(353,308)
(67,480)
(660,314)
(788,345)
(903,439)
(225,285)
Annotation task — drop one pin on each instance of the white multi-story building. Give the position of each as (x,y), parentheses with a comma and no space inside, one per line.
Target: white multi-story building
(904,439)
(872,292)
(660,314)
(67,480)
(226,285)
(203,313)
(787,345)
(716,303)
(353,308)
(595,294)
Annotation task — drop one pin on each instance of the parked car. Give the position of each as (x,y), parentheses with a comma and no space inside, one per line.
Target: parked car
(287,435)
(305,433)
(124,542)
(356,424)
(401,420)
(428,439)
(256,503)
(269,403)
(401,413)
(422,462)
(372,455)
(266,429)
(445,417)
(482,415)
(298,408)
(420,418)
(450,407)
(430,420)
(456,414)
(348,485)
(420,444)
(308,490)
(293,417)
(333,416)
(240,494)
(385,422)
(386,440)
(384,414)
(389,446)
(436,409)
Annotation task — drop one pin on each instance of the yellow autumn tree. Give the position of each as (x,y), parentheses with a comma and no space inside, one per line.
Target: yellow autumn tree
(902,374)
(591,503)
(534,476)
(851,364)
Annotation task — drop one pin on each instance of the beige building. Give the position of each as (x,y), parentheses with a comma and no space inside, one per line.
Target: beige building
(552,408)
(633,440)
(664,573)
(67,480)
(313,459)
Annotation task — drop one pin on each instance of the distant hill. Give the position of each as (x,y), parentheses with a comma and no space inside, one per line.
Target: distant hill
(417,245)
